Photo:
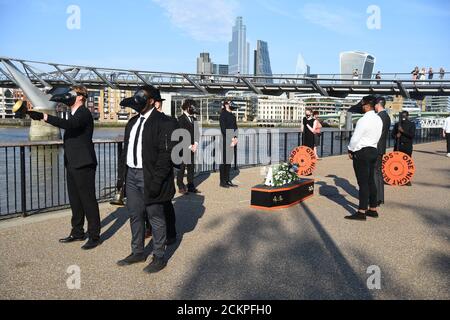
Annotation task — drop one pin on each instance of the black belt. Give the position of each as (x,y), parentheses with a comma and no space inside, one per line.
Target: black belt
(138,169)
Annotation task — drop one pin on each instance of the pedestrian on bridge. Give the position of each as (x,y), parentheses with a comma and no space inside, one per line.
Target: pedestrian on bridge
(446,134)
(378,77)
(430,74)
(422,75)
(441,73)
(363,151)
(415,73)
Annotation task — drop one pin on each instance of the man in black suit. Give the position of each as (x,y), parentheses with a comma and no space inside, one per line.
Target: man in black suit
(146,165)
(228,127)
(404,133)
(81,163)
(379,181)
(188,122)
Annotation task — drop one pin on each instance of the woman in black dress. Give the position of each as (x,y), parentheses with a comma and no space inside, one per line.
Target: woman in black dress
(308,135)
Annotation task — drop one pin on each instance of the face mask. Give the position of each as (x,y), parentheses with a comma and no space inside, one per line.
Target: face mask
(233,107)
(64,95)
(192,110)
(138,102)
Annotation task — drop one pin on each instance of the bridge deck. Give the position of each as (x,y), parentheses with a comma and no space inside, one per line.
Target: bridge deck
(230,251)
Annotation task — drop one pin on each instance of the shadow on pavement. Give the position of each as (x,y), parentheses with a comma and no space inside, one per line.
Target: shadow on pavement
(332,192)
(345,185)
(189,209)
(260,259)
(120,217)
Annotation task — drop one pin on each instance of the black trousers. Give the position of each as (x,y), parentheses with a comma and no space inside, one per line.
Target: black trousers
(227,159)
(405,148)
(81,190)
(169,213)
(447,135)
(138,212)
(379,180)
(364,162)
(190,167)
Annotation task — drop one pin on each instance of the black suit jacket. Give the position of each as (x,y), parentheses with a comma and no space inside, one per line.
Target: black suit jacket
(408,135)
(385,133)
(185,123)
(159,186)
(78,146)
(227,121)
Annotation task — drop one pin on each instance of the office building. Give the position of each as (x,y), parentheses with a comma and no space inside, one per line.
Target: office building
(220,69)
(204,64)
(211,106)
(437,104)
(363,62)
(280,110)
(262,65)
(239,49)
(7,101)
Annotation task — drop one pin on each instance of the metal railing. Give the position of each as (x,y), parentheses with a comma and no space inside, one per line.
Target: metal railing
(33,175)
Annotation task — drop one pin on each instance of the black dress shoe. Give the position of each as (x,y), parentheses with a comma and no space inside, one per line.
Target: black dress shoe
(131,259)
(195,191)
(156,265)
(71,239)
(91,244)
(224,185)
(372,214)
(231,184)
(359,216)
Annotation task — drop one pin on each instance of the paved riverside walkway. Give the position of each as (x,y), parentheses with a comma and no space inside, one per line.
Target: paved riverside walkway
(229,251)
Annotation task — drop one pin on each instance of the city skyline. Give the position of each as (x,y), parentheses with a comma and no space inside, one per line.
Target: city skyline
(179,31)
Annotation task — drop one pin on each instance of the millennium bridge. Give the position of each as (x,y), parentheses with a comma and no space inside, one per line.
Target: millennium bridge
(48,75)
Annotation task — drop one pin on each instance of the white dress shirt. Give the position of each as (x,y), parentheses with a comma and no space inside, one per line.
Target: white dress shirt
(191,120)
(447,125)
(367,132)
(133,133)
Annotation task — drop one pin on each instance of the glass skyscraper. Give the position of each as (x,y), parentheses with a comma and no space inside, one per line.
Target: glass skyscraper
(262,61)
(238,49)
(352,60)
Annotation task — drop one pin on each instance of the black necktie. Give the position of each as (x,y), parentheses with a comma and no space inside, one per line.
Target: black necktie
(136,140)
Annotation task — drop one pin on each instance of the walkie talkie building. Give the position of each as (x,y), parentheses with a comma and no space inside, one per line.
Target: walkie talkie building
(363,62)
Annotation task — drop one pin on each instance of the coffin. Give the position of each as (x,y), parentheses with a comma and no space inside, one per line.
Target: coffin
(274,198)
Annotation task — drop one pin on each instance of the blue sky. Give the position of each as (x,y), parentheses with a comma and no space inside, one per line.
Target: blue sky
(168,35)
